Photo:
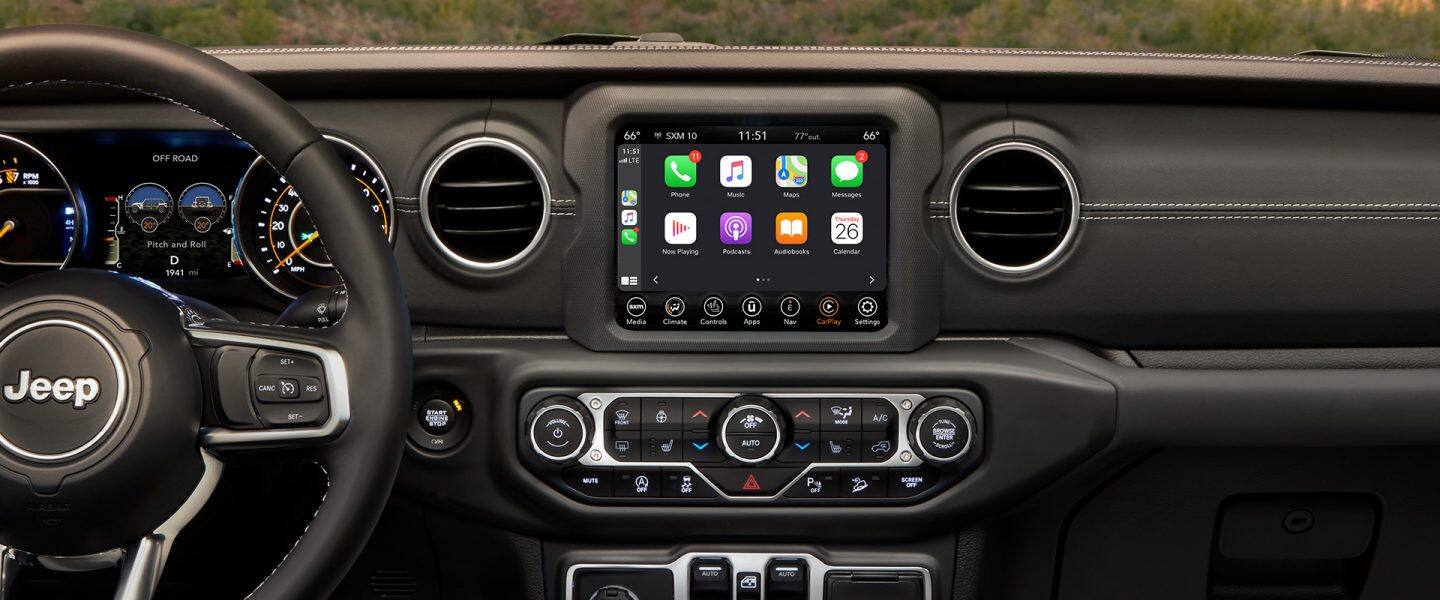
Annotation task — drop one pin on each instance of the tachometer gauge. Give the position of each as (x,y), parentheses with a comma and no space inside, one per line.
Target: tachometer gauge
(278,239)
(39,218)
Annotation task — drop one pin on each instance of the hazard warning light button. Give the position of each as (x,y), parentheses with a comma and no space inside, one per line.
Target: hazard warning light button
(766,481)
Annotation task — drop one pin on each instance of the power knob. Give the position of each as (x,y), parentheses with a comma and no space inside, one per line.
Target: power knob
(751,431)
(943,430)
(559,429)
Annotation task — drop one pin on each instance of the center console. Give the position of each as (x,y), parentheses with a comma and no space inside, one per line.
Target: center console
(777,447)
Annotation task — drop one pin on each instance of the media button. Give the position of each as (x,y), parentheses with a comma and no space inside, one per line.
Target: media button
(674,306)
(789,306)
(867,307)
(828,306)
(838,448)
(714,306)
(636,306)
(752,305)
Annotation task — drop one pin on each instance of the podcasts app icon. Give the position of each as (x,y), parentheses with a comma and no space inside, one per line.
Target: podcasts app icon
(735,228)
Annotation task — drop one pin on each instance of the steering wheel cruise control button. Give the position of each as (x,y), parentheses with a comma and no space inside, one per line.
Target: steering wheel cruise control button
(943,431)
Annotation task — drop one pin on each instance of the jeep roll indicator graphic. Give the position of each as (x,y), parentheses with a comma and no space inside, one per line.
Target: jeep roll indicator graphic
(63,383)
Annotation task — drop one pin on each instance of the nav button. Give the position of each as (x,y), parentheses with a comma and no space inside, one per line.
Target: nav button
(636,306)
(789,306)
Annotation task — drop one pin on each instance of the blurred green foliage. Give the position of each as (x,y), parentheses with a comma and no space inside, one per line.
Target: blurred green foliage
(1238,26)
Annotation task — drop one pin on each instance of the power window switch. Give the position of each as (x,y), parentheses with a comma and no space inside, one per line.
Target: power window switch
(747,586)
(710,579)
(787,579)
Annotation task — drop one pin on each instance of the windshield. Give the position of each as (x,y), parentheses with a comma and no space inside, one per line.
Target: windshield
(1210,26)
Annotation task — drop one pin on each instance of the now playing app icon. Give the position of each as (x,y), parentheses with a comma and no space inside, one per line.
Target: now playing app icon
(735,228)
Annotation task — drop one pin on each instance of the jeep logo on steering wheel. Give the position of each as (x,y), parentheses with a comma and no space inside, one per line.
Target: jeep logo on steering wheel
(79,391)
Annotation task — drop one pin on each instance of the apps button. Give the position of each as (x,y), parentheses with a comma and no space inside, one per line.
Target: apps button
(752,305)
(680,228)
(736,171)
(679,171)
(736,228)
(791,171)
(792,228)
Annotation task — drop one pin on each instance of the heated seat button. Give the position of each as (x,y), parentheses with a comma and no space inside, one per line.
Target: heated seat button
(596,482)
(750,482)
(818,483)
(664,447)
(839,447)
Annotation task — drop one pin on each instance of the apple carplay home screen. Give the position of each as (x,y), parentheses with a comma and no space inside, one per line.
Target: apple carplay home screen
(774,228)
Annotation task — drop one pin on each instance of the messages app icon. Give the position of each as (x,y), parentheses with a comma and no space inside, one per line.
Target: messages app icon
(846,171)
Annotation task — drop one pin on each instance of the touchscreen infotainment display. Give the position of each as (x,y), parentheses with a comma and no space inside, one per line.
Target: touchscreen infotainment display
(751,227)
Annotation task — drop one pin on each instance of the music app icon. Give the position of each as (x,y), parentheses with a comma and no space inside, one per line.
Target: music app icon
(735,171)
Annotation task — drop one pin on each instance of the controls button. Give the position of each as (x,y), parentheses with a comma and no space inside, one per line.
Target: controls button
(596,482)
(789,306)
(682,482)
(661,414)
(867,307)
(674,306)
(623,414)
(714,306)
(841,414)
(906,483)
(747,586)
(664,448)
(838,448)
(710,578)
(877,447)
(699,448)
(787,578)
(880,415)
(804,447)
(751,420)
(558,433)
(751,448)
(437,417)
(291,414)
(804,413)
(863,483)
(828,306)
(818,483)
(311,388)
(637,483)
(624,446)
(943,432)
(752,305)
(699,412)
(750,482)
(636,306)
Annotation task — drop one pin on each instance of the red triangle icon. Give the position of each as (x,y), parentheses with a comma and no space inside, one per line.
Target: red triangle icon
(750,484)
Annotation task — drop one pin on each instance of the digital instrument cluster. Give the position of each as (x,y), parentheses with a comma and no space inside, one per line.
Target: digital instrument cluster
(166,205)
(776,228)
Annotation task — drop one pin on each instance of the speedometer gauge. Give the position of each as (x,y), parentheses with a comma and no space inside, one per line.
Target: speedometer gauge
(277,237)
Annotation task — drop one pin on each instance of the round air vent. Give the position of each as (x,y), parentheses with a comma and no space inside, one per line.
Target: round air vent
(1014,207)
(485,203)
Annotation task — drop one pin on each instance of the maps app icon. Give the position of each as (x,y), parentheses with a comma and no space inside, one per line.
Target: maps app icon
(791,171)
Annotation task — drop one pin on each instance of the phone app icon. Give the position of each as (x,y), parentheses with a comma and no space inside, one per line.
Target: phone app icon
(736,228)
(629,198)
(846,171)
(792,228)
(679,171)
(847,228)
(629,217)
(680,228)
(791,171)
(736,171)
(629,236)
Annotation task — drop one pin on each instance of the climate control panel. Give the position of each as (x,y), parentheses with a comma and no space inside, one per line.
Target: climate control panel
(714,447)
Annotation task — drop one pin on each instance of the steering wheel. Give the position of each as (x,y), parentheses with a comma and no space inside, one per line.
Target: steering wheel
(106,447)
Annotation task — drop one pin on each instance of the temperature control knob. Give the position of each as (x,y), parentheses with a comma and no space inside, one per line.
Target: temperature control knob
(942,430)
(559,429)
(751,430)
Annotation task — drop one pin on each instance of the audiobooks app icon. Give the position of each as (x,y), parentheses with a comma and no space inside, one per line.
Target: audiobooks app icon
(791,228)
(680,228)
